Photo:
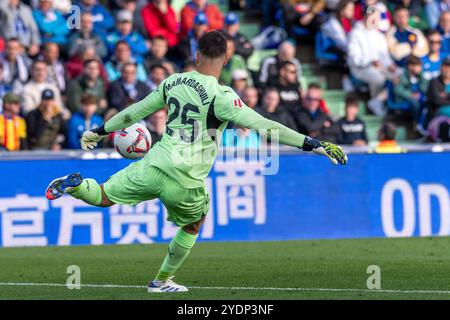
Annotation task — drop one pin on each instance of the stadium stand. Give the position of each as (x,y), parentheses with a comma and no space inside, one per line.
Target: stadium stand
(27,37)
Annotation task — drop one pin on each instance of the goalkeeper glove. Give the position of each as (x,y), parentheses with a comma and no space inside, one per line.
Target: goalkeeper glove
(90,138)
(330,150)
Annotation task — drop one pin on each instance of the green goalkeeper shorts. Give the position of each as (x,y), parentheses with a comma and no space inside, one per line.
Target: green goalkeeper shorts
(139,182)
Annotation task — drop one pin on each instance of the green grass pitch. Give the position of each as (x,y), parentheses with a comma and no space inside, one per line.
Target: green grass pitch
(416,268)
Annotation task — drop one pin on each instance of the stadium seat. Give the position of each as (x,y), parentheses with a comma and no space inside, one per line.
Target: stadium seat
(250,30)
(338,95)
(254,61)
(322,44)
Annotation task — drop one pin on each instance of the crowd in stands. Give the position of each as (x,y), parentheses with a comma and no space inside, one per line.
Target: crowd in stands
(64,71)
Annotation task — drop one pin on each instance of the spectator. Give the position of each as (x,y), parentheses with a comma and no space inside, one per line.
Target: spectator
(386,137)
(160,21)
(251,97)
(32,92)
(239,81)
(384,19)
(103,20)
(157,74)
(15,65)
(304,13)
(270,109)
(82,121)
(288,87)
(158,52)
(119,59)
(412,87)
(432,62)
(4,87)
(417,16)
(135,7)
(403,40)
(312,121)
(369,59)
(338,27)
(270,66)
(62,6)
(156,124)
(124,32)
(193,8)
(17,22)
(352,128)
(88,83)
(439,92)
(12,126)
(187,47)
(127,89)
(56,73)
(45,124)
(85,37)
(74,67)
(51,24)
(235,62)
(444,29)
(434,10)
(243,46)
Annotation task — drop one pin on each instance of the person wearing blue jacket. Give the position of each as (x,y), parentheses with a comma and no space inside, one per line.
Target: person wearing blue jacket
(87,119)
(51,23)
(124,32)
(103,20)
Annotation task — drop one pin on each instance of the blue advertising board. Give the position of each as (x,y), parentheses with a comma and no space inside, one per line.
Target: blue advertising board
(399,195)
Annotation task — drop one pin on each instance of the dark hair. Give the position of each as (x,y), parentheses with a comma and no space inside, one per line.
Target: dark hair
(88,99)
(121,42)
(388,130)
(400,8)
(213,44)
(271,89)
(351,100)
(314,85)
(413,60)
(341,5)
(433,31)
(89,61)
(13,39)
(287,63)
(159,38)
(158,66)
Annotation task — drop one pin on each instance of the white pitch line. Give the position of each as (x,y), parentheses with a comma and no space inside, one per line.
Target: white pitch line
(28,284)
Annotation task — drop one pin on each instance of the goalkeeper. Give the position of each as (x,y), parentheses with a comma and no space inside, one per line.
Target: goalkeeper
(175,169)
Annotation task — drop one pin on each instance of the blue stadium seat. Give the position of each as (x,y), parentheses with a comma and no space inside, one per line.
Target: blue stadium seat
(321,46)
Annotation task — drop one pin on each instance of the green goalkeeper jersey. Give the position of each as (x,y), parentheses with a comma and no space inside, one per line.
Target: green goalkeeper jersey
(199,109)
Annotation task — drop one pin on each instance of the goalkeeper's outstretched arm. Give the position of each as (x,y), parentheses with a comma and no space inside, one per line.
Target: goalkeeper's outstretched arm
(153,102)
(248,118)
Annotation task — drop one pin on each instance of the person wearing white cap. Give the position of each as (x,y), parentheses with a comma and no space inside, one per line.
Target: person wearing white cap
(239,81)
(124,32)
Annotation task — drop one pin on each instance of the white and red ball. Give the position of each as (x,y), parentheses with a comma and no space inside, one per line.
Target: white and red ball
(133,142)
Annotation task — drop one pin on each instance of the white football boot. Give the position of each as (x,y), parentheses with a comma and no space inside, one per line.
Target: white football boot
(165,286)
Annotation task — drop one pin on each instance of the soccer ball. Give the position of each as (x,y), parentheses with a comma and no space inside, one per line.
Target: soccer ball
(132,142)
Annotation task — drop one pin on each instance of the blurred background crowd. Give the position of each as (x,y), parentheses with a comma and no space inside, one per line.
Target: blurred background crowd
(352,72)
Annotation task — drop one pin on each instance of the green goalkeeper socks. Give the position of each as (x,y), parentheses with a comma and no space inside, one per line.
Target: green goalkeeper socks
(179,249)
(89,191)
